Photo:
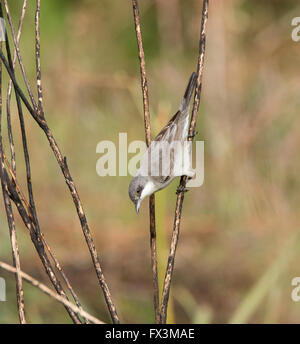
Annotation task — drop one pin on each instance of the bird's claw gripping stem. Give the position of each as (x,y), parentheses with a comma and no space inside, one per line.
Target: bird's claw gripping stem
(191,136)
(180,189)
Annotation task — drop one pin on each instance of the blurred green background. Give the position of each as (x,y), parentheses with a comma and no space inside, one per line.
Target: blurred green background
(239,245)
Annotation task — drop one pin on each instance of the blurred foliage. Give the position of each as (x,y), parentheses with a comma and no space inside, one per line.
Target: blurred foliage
(236,226)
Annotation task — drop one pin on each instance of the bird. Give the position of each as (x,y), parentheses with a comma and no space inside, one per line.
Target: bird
(160,164)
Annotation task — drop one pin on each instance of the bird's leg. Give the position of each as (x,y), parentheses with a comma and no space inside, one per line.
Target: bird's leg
(190,174)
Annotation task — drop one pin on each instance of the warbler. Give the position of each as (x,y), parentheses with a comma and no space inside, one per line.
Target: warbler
(168,156)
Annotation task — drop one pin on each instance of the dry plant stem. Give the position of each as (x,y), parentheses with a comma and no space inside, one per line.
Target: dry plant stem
(39,117)
(9,89)
(37,58)
(180,195)
(19,54)
(14,195)
(25,150)
(144,86)
(29,212)
(60,269)
(17,196)
(15,251)
(18,189)
(11,224)
(21,117)
(68,178)
(49,292)
(57,265)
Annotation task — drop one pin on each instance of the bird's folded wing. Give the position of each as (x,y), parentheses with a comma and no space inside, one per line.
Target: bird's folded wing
(163,159)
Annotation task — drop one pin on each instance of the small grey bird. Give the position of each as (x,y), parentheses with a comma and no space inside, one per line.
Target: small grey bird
(169,155)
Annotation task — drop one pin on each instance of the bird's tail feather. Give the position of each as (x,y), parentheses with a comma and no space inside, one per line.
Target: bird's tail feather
(188,93)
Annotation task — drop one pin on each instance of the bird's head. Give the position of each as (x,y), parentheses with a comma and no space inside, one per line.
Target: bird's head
(139,188)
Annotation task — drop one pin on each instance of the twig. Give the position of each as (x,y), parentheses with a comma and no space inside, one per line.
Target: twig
(9,89)
(11,223)
(30,217)
(15,251)
(19,106)
(60,269)
(37,114)
(69,181)
(38,58)
(14,195)
(180,196)
(49,292)
(25,147)
(22,197)
(26,204)
(144,86)
(14,191)
(19,55)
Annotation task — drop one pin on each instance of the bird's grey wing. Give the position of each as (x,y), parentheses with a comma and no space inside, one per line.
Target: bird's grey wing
(171,130)
(180,119)
(164,149)
(153,162)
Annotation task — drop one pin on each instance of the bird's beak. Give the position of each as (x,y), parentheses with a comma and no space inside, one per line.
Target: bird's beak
(137,206)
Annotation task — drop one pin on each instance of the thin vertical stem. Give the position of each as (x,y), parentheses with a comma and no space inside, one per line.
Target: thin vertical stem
(25,146)
(15,248)
(28,214)
(27,219)
(9,89)
(25,212)
(144,86)
(19,55)
(62,162)
(11,222)
(181,188)
(38,58)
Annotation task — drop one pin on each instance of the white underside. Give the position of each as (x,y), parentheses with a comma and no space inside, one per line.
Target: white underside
(148,190)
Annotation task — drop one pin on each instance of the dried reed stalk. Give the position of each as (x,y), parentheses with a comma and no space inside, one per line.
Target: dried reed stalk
(144,86)
(27,210)
(181,188)
(11,223)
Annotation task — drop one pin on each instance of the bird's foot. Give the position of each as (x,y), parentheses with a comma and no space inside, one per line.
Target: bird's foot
(192,135)
(180,189)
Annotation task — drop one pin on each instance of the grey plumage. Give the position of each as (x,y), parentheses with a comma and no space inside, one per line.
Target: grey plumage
(154,174)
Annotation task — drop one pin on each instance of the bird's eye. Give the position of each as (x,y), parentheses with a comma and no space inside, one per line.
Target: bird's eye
(139,189)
